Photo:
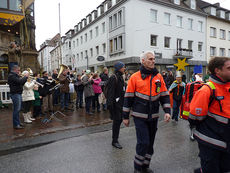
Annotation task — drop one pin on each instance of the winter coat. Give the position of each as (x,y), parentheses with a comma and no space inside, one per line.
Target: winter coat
(37,101)
(88,87)
(169,80)
(96,86)
(16,83)
(64,83)
(78,86)
(28,93)
(178,89)
(115,98)
(104,78)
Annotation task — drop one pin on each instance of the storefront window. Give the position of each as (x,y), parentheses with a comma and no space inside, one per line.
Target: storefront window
(3,4)
(15,5)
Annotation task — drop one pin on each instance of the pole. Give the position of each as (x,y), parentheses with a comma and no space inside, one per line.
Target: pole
(59,13)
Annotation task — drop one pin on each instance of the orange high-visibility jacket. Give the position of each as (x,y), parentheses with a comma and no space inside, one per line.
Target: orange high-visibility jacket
(212,118)
(138,99)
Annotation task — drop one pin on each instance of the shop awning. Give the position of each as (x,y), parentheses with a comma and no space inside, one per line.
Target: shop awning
(10,19)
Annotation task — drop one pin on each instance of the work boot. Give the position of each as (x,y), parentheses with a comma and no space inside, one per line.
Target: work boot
(116,145)
(147,170)
(26,120)
(29,114)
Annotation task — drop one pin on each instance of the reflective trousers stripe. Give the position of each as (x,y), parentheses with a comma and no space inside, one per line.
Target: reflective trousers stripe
(129,94)
(166,105)
(146,97)
(142,115)
(193,117)
(210,140)
(186,113)
(218,118)
(126,109)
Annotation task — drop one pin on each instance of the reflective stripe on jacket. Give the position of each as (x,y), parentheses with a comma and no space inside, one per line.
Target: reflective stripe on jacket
(139,103)
(212,120)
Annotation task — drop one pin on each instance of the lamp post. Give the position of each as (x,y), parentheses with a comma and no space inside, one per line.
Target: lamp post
(87,62)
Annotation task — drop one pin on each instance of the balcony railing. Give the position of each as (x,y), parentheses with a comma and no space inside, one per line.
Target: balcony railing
(183,53)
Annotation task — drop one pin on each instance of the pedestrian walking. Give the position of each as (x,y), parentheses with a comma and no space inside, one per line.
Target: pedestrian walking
(177,90)
(115,100)
(16,87)
(210,114)
(146,88)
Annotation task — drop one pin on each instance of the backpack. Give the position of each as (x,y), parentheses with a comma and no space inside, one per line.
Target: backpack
(190,90)
(105,91)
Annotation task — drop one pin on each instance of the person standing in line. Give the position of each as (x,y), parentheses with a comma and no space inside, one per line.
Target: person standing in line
(97,92)
(104,78)
(79,88)
(115,100)
(87,81)
(16,87)
(146,89)
(27,99)
(170,78)
(36,102)
(210,114)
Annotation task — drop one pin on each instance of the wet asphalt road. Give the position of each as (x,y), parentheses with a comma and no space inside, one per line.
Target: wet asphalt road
(93,153)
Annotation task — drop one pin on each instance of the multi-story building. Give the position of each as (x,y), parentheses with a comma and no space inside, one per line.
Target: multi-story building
(48,57)
(218,29)
(123,29)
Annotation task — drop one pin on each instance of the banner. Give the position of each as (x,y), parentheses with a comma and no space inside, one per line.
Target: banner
(10,19)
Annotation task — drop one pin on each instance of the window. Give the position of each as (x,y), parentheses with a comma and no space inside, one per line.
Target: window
(97,50)
(85,37)
(200,45)
(96,30)
(120,18)
(115,20)
(73,44)
(115,44)
(153,40)
(86,53)
(193,4)
(91,52)
(77,57)
(167,42)
(69,44)
(179,44)
(179,21)
(177,2)
(222,14)
(212,32)
(66,45)
(190,44)
(111,46)
(153,15)
(3,4)
(77,42)
(200,26)
(190,24)
(104,47)
(222,34)
(14,5)
(103,27)
(81,55)
(212,51)
(229,35)
(228,52)
(120,43)
(81,40)
(91,34)
(222,51)
(213,11)
(110,23)
(167,18)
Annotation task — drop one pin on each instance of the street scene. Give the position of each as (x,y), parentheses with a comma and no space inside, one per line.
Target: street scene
(115,86)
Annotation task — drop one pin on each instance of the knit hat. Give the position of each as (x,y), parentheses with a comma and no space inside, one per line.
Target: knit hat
(87,72)
(118,65)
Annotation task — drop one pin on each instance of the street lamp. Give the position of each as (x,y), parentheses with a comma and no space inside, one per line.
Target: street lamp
(87,62)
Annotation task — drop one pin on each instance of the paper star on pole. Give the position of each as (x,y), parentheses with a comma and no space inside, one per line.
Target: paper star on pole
(181,64)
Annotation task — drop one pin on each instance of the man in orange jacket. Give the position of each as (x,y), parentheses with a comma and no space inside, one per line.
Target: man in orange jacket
(210,113)
(146,88)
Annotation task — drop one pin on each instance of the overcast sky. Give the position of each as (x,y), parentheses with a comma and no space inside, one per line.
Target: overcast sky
(72,11)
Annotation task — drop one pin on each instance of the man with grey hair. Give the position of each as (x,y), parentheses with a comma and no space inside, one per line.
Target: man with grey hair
(16,87)
(146,88)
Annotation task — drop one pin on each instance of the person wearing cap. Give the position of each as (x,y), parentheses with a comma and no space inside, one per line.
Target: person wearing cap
(177,90)
(115,99)
(87,81)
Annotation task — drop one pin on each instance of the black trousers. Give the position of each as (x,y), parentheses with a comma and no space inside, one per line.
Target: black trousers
(116,129)
(213,160)
(26,106)
(37,111)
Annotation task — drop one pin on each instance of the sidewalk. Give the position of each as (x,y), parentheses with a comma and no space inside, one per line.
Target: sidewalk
(72,120)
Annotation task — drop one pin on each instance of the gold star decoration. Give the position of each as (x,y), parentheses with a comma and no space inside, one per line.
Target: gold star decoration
(181,64)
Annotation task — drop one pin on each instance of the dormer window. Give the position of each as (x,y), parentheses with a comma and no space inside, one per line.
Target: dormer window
(222,14)
(193,4)
(177,2)
(213,11)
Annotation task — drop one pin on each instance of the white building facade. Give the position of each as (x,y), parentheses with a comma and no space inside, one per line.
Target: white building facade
(44,56)
(123,29)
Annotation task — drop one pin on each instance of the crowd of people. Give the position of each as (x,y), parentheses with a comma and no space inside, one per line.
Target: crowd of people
(140,97)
